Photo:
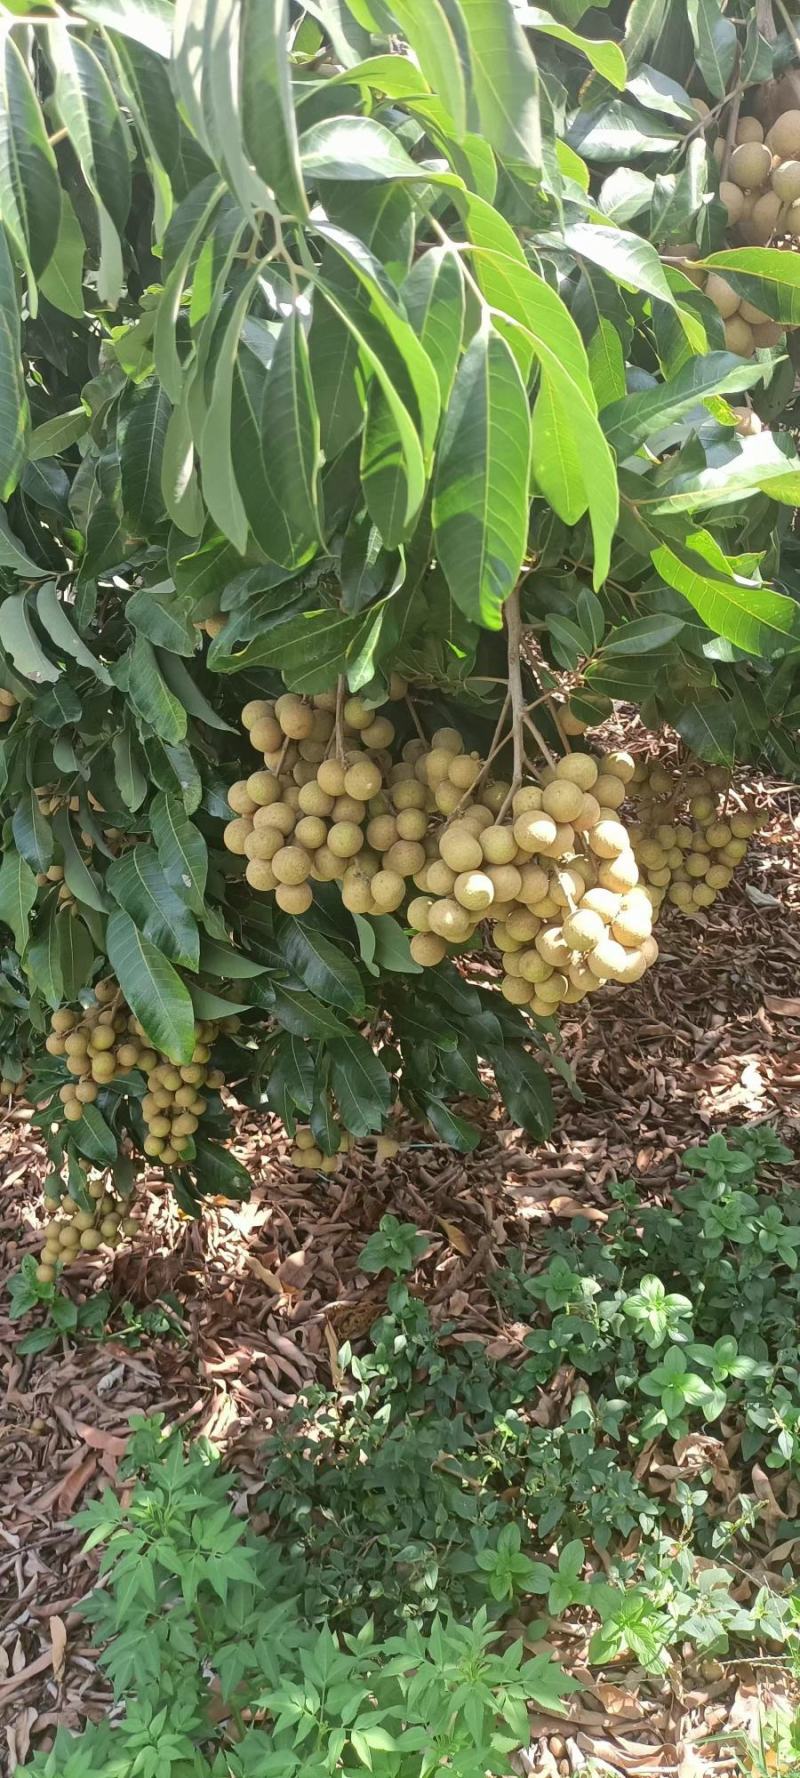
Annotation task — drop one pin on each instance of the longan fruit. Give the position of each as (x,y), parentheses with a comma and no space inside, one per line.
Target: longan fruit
(86,1092)
(362,780)
(552,946)
(90,1240)
(357,892)
(127,1055)
(553,990)
(76,1043)
(474,890)
(633,923)
(734,852)
(565,886)
(765,217)
(73,1111)
(534,968)
(266,735)
(45,1273)
(498,845)
(103,1066)
(534,831)
(506,881)
(521,924)
(527,798)
(418,913)
(577,768)
(583,929)
(411,824)
(772,333)
(345,839)
(313,800)
(378,734)
(608,839)
(562,799)
(450,921)
(440,877)
(516,991)
(533,883)
(408,793)
(349,808)
(464,770)
(749,165)
(726,301)
(733,198)
(607,959)
(54,1044)
(239,798)
(263,843)
(260,875)
(739,337)
(330,778)
(742,826)
(609,791)
(291,864)
(446,798)
(719,834)
(388,889)
(296,719)
(426,948)
(460,848)
(62,1021)
(235,833)
(719,876)
(68,1235)
(406,857)
(262,788)
(327,867)
(619,874)
(153,1145)
(783,137)
(494,795)
(703,896)
(382,832)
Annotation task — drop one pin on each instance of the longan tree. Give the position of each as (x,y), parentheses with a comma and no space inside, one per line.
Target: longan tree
(387,390)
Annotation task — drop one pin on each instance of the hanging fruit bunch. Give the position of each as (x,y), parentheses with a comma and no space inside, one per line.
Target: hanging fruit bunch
(690,832)
(95,1217)
(306,1153)
(761,188)
(104,1040)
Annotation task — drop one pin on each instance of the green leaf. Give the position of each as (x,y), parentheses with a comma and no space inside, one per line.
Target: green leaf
(525,1089)
(154,992)
(309,650)
(629,422)
(76,953)
(355,148)
(413,466)
(142,436)
(480,503)
(434,297)
(43,958)
(14,410)
(505,80)
(30,192)
(94,1137)
(61,282)
(360,1083)
(605,56)
(268,120)
(137,882)
(88,111)
(17,895)
(321,966)
(20,641)
(557,460)
(734,468)
(164,617)
(643,24)
(751,617)
(456,1131)
(180,681)
(78,878)
(440,47)
(217,1171)
(624,256)
(149,693)
(643,634)
(715,43)
(56,435)
(606,363)
(32,833)
(275,444)
(148,22)
(181,850)
(129,768)
(53,615)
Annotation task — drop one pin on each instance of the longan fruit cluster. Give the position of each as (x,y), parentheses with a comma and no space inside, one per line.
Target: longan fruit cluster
(8,704)
(212,625)
(556,877)
(106,1039)
(310,816)
(12,1089)
(305,1152)
(761,191)
(746,327)
(72,1230)
(687,843)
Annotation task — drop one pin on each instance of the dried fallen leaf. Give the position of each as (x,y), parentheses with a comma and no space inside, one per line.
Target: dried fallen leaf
(455,1236)
(566,1206)
(74,1483)
(785,1009)
(333,1354)
(18,1736)
(58,1645)
(98,1440)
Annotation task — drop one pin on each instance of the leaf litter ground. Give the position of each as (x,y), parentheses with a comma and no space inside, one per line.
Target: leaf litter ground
(267,1291)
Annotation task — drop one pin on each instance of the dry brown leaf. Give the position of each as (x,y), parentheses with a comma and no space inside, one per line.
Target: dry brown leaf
(455,1236)
(58,1645)
(566,1206)
(18,1736)
(269,1278)
(762,1488)
(74,1483)
(94,1436)
(784,1008)
(333,1355)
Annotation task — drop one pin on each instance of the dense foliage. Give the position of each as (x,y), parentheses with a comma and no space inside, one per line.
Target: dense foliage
(329,334)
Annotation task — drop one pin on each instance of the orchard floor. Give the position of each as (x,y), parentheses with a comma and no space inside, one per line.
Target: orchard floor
(268,1292)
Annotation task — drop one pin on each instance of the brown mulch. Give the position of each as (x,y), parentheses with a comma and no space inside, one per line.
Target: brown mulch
(270,1289)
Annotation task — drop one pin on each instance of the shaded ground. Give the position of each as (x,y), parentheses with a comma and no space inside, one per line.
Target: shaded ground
(268,1291)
